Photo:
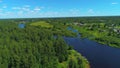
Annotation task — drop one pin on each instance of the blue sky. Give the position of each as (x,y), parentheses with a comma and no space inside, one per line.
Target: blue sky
(58,8)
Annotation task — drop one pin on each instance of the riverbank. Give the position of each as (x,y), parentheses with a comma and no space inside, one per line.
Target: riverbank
(98,55)
(75,60)
(100,37)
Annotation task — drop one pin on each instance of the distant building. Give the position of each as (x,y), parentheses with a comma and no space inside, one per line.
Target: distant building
(79,24)
(117,31)
(76,23)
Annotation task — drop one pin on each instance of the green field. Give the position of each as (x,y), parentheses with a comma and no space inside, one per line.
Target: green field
(42,24)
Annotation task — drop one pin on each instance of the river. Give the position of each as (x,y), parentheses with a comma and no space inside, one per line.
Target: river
(21,25)
(99,56)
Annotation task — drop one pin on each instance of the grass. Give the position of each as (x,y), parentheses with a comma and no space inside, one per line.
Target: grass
(42,24)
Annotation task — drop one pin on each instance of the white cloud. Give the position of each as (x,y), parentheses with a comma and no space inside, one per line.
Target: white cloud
(4,14)
(114,3)
(74,11)
(91,11)
(27,6)
(1,9)
(37,8)
(4,6)
(20,12)
(25,9)
(21,8)
(16,8)
(8,13)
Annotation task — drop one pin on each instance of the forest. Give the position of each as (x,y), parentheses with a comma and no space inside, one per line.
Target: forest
(37,44)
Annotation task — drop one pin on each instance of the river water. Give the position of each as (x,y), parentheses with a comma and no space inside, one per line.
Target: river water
(21,25)
(99,56)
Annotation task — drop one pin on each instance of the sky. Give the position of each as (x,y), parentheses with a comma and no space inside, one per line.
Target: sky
(58,8)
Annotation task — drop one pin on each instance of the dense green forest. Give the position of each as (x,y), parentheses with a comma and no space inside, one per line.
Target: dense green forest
(40,44)
(37,46)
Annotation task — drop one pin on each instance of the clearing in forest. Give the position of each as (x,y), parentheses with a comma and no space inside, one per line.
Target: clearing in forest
(42,24)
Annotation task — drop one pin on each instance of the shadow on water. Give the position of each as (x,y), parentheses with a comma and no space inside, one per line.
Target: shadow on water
(99,56)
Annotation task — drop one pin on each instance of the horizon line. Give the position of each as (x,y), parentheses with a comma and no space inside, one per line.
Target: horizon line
(60,17)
